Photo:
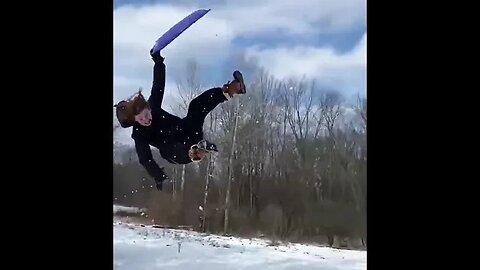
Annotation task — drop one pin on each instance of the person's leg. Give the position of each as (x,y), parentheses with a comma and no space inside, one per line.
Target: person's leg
(202,105)
(191,126)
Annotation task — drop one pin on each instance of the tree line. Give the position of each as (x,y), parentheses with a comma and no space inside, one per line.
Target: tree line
(291,166)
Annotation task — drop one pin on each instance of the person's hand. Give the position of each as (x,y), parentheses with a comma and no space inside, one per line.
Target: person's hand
(157,58)
(207,146)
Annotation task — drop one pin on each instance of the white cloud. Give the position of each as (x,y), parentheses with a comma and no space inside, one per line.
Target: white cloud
(253,17)
(210,39)
(345,72)
(137,28)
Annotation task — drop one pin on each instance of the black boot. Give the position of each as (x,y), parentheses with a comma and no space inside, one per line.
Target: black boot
(206,145)
(237,75)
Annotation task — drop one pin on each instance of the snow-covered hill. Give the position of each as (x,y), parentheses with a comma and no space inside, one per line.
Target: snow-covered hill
(146,247)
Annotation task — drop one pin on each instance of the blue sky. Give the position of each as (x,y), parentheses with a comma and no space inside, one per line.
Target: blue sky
(323,40)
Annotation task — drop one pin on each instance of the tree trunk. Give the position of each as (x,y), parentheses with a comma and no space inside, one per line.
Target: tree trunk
(174,182)
(205,196)
(182,185)
(230,169)
(250,182)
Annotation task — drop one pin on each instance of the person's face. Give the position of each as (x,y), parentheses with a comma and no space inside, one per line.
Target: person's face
(144,117)
(197,154)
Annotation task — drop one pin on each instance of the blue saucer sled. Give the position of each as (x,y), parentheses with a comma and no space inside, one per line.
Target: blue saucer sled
(178,29)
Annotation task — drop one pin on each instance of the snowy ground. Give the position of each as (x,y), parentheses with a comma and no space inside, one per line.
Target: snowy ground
(127,210)
(145,247)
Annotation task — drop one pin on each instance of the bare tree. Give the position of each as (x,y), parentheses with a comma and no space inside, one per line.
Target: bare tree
(290,149)
(230,167)
(361,109)
(331,106)
(182,183)
(174,182)
(205,190)
(190,87)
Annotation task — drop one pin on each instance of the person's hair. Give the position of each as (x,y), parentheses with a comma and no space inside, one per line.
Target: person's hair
(127,109)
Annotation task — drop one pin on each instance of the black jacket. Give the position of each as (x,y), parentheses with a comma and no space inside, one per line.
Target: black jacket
(163,132)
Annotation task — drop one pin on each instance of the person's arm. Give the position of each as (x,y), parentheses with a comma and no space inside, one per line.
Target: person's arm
(146,159)
(158,86)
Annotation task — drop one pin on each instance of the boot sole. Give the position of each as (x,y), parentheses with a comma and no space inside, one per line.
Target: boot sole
(237,75)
